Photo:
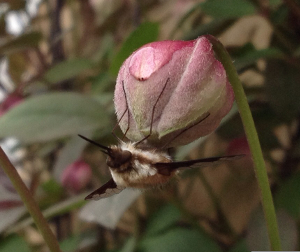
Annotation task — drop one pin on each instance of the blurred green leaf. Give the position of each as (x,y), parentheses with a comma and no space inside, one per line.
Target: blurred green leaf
(274,3)
(22,42)
(240,246)
(228,8)
(279,15)
(145,33)
(52,187)
(53,192)
(288,196)
(265,120)
(54,115)
(129,245)
(215,27)
(249,57)
(14,243)
(282,88)
(231,129)
(67,69)
(163,219)
(102,82)
(70,244)
(179,240)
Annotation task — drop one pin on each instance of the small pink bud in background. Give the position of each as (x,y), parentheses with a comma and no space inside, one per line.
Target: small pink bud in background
(238,146)
(76,176)
(195,85)
(9,102)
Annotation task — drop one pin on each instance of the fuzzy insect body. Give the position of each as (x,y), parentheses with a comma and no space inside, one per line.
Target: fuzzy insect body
(142,167)
(137,165)
(139,170)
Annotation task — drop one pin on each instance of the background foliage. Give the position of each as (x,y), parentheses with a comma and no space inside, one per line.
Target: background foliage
(57,80)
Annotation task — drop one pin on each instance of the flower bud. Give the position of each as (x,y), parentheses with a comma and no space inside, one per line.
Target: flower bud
(76,176)
(180,83)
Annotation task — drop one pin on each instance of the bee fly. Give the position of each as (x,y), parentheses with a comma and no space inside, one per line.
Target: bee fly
(142,167)
(137,165)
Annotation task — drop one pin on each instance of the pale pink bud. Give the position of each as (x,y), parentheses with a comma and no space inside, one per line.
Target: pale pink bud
(76,176)
(195,85)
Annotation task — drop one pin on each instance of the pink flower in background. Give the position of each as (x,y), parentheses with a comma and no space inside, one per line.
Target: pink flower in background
(9,102)
(188,83)
(238,146)
(76,176)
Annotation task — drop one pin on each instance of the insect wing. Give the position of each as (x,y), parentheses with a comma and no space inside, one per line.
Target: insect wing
(167,168)
(108,189)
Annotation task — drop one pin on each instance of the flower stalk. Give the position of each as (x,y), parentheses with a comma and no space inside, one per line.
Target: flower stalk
(253,141)
(29,202)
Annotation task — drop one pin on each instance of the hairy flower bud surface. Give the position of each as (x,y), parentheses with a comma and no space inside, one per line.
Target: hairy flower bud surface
(180,84)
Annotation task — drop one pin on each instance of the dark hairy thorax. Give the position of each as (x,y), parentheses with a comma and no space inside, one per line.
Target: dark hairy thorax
(121,160)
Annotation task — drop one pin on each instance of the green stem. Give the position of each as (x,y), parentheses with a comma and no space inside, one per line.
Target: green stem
(253,141)
(29,202)
(53,211)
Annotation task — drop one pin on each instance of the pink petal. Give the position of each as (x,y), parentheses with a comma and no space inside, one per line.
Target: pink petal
(148,59)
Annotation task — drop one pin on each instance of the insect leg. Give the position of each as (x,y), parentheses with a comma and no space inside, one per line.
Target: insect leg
(153,111)
(181,132)
(128,114)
